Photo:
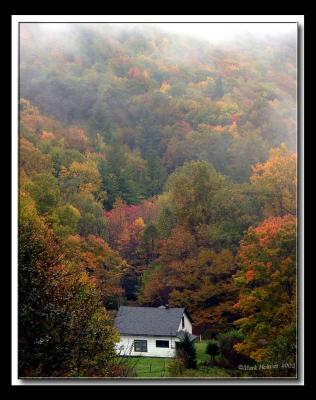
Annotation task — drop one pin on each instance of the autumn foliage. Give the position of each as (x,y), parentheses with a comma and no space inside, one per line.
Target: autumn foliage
(267,281)
(153,170)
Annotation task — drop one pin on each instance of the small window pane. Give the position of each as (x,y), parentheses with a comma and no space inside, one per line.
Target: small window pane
(162,343)
(140,345)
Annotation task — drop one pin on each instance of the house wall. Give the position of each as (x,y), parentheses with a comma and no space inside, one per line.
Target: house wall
(125,346)
(187,325)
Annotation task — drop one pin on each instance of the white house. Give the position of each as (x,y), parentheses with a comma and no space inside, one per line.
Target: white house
(151,331)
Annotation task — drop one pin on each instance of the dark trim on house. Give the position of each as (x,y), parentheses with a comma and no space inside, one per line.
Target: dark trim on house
(188,315)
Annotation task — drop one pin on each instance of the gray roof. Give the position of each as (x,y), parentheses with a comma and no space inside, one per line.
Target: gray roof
(148,321)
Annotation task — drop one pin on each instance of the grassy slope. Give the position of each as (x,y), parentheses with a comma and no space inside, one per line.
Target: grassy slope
(200,347)
(157,367)
(150,366)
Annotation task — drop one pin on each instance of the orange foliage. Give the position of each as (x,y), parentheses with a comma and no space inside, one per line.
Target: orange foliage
(46,136)
(76,138)
(250,275)
(165,87)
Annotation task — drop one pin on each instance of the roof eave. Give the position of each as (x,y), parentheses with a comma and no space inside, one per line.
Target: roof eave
(188,315)
(147,335)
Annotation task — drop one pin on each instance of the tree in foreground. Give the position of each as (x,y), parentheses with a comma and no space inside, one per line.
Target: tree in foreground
(63,328)
(267,281)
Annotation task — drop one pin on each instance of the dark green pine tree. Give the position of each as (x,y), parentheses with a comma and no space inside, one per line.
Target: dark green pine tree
(116,181)
(148,241)
(186,350)
(166,221)
(157,173)
(212,349)
(219,93)
(109,185)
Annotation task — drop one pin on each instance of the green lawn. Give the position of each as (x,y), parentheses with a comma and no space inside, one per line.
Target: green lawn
(149,366)
(152,367)
(201,356)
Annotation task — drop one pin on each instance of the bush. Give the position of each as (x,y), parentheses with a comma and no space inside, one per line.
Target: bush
(186,351)
(176,366)
(123,367)
(226,343)
(212,348)
(282,352)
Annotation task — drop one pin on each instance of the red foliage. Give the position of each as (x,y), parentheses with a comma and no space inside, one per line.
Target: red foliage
(234,118)
(250,275)
(268,230)
(123,216)
(185,126)
(134,72)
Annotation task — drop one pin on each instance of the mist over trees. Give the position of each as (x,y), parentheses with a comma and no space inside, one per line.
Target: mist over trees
(154,168)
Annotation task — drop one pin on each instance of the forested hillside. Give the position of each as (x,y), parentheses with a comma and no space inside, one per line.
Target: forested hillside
(154,169)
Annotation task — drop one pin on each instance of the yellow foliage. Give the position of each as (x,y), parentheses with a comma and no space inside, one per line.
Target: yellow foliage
(277,179)
(246,349)
(88,171)
(241,321)
(139,222)
(146,74)
(259,355)
(165,87)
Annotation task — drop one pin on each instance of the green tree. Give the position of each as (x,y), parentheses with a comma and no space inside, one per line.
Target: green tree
(84,215)
(227,342)
(283,351)
(166,221)
(219,93)
(157,174)
(234,209)
(149,238)
(192,188)
(243,153)
(212,349)
(63,328)
(80,178)
(116,178)
(65,220)
(45,191)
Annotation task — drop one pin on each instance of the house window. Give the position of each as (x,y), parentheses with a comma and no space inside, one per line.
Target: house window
(140,345)
(162,343)
(182,322)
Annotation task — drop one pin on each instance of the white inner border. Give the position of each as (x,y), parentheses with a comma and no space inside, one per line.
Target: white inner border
(16,19)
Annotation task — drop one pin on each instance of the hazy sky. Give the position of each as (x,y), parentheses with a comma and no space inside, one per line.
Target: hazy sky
(207,31)
(223,31)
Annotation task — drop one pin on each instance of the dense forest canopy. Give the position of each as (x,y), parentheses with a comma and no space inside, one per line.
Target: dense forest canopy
(160,169)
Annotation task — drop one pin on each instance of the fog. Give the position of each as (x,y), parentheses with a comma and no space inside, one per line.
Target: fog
(265,52)
(224,32)
(211,32)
